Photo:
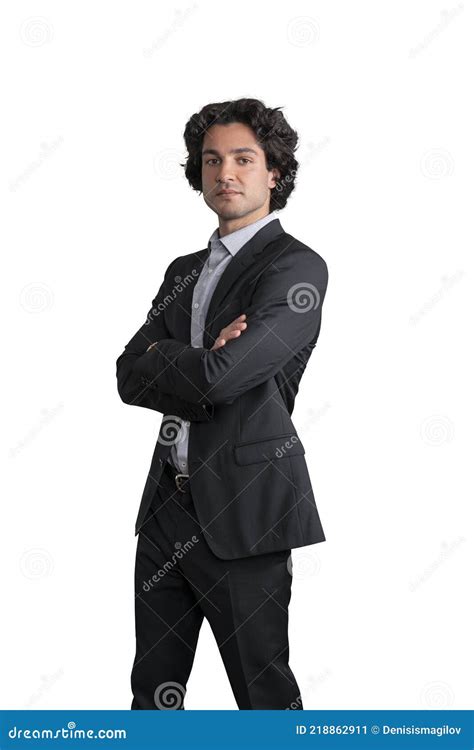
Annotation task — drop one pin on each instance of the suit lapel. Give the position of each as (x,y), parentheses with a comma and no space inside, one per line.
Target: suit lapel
(190,274)
(245,257)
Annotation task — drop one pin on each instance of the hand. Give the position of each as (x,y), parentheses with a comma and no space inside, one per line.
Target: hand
(232,331)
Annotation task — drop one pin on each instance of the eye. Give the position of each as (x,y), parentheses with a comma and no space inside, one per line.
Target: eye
(243,158)
(209,160)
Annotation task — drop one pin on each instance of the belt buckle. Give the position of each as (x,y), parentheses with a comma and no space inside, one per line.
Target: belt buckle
(177,482)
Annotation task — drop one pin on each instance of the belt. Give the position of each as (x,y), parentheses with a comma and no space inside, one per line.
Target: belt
(180,480)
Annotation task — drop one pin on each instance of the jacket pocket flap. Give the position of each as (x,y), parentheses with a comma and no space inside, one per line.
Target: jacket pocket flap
(269,449)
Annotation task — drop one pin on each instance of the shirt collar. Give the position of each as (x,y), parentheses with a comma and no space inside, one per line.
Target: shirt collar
(234,241)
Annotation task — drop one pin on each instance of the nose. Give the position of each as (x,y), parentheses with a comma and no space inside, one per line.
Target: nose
(225,173)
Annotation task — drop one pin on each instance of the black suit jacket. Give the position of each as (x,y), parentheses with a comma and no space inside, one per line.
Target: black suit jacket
(248,473)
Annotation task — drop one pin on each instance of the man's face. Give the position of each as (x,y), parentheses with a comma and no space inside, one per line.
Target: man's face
(233,160)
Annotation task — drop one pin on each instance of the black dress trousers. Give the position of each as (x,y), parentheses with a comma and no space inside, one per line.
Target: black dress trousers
(178,581)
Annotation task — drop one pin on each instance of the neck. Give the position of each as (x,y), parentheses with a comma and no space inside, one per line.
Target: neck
(227,226)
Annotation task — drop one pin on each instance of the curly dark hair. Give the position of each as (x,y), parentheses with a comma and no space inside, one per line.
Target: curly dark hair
(277,139)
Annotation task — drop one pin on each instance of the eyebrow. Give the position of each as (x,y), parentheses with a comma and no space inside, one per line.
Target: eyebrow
(242,150)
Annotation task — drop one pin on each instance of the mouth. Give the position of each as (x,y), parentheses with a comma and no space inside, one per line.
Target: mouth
(228,192)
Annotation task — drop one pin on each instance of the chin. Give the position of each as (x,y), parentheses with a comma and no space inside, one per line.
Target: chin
(232,214)
(228,212)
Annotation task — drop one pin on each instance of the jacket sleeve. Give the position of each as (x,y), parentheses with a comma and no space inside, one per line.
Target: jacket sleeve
(133,386)
(283,318)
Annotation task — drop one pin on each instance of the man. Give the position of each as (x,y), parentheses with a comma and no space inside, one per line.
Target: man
(221,355)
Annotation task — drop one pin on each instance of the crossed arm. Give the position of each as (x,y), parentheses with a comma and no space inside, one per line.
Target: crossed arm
(284,316)
(131,383)
(229,332)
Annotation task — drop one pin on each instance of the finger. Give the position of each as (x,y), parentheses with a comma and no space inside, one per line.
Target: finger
(237,326)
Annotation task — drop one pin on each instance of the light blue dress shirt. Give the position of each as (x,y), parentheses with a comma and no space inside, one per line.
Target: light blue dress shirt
(222,249)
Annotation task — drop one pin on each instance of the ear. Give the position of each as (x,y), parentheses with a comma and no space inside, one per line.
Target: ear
(274,177)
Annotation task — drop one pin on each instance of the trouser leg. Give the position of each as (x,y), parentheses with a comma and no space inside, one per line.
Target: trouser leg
(245,601)
(167,624)
(248,614)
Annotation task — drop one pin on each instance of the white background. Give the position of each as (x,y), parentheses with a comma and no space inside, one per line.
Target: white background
(95,99)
